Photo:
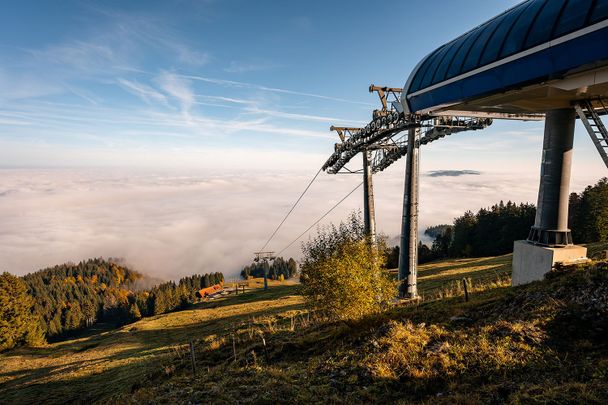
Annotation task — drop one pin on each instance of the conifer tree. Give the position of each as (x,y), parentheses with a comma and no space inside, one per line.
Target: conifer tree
(134,312)
(17,323)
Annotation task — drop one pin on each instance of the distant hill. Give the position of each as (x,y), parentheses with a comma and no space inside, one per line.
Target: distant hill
(70,297)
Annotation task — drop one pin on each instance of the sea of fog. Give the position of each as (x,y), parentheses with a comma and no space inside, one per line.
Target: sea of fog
(174,223)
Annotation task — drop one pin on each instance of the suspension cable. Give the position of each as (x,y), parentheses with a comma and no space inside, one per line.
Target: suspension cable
(291,210)
(320,219)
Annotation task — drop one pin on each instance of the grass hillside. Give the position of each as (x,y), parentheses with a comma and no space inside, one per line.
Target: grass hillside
(540,343)
(105,361)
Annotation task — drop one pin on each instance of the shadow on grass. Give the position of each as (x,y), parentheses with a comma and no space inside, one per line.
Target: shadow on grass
(342,379)
(494,328)
(111,374)
(464,264)
(341,348)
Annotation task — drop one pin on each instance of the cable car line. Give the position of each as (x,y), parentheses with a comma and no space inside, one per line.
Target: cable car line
(320,219)
(291,210)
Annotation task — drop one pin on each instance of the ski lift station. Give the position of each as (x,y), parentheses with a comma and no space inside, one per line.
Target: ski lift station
(540,60)
(545,57)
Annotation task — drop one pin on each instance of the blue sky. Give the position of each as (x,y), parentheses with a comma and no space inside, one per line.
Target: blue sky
(185,82)
(170,132)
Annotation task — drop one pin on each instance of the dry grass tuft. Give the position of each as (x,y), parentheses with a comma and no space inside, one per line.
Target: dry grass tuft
(542,343)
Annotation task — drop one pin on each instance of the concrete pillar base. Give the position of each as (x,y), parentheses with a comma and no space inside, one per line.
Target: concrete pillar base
(532,262)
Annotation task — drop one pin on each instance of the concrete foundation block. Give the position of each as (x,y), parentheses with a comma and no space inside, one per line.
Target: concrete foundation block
(531,262)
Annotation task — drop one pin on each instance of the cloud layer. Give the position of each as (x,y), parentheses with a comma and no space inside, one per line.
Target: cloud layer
(177,222)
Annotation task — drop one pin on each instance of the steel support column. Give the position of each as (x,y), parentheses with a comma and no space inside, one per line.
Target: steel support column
(265,278)
(408,251)
(369,213)
(551,223)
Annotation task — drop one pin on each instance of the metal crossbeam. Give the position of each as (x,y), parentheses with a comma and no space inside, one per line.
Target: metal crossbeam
(263,256)
(383,136)
(368,138)
(441,127)
(387,95)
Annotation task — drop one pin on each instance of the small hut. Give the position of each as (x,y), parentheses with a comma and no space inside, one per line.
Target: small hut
(209,291)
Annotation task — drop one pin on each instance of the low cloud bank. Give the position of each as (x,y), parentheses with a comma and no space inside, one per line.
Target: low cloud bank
(175,223)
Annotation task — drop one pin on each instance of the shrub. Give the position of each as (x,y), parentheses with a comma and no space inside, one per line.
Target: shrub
(342,273)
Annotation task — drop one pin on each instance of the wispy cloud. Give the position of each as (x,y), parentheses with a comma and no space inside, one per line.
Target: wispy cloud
(144,92)
(232,83)
(232,100)
(301,117)
(12,122)
(85,57)
(245,67)
(189,56)
(17,86)
(118,43)
(177,87)
(124,127)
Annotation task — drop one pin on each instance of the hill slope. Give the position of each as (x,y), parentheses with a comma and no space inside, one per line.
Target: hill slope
(105,361)
(541,343)
(537,343)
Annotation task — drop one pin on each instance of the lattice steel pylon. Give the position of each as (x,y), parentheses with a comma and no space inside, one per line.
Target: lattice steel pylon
(383,138)
(264,257)
(369,152)
(369,214)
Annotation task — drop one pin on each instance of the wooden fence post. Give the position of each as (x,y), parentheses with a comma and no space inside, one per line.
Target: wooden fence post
(192,357)
(264,344)
(466,290)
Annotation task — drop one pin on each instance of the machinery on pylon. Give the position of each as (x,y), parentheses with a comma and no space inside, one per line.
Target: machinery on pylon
(264,257)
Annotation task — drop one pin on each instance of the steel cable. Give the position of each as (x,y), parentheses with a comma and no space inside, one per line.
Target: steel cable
(291,210)
(320,219)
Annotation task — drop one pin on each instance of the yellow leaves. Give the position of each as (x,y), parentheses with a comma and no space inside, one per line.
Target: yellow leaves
(69,280)
(118,273)
(348,283)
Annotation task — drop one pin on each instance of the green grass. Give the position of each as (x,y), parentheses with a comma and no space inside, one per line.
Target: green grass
(541,343)
(503,341)
(594,249)
(98,366)
(443,278)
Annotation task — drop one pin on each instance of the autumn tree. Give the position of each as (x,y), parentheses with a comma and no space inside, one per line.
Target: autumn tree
(342,274)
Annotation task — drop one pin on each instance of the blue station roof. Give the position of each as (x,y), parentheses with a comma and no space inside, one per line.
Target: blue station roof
(525,27)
